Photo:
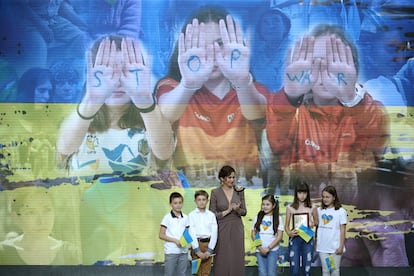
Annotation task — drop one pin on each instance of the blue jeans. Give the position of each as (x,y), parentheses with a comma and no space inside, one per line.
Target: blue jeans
(300,255)
(267,264)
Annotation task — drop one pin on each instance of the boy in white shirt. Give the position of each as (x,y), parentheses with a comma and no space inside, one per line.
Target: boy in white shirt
(171,230)
(203,229)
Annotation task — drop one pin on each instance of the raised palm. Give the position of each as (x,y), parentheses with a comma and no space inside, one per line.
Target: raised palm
(102,78)
(300,72)
(233,57)
(340,75)
(195,57)
(136,73)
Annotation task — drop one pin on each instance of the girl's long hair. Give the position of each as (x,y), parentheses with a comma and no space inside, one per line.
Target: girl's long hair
(301,186)
(261,214)
(337,203)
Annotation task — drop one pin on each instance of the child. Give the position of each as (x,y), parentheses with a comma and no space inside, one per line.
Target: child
(203,229)
(331,231)
(211,92)
(32,209)
(172,228)
(318,124)
(301,211)
(269,225)
(116,129)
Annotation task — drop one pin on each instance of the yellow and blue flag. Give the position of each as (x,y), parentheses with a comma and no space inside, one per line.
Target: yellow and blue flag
(185,239)
(195,265)
(257,240)
(305,233)
(330,263)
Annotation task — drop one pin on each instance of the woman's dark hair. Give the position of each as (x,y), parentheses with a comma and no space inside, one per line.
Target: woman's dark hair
(29,81)
(331,190)
(226,171)
(301,186)
(327,29)
(205,14)
(131,118)
(261,214)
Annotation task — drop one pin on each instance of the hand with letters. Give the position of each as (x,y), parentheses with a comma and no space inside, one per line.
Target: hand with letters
(233,57)
(300,69)
(136,73)
(195,57)
(101,76)
(338,72)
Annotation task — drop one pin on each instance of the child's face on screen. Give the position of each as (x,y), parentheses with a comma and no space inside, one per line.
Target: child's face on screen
(37,216)
(201,202)
(177,204)
(42,92)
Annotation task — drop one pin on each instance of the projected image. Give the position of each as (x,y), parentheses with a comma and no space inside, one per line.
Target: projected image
(108,107)
(31,241)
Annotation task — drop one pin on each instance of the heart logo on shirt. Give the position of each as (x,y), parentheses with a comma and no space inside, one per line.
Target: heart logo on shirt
(266,224)
(326,219)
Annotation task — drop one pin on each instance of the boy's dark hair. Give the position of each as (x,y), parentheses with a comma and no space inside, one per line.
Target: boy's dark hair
(174,195)
(261,214)
(200,193)
(301,186)
(331,190)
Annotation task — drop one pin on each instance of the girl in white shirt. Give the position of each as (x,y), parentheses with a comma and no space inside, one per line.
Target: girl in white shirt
(268,227)
(331,231)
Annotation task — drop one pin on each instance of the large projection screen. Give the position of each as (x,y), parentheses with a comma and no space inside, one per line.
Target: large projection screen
(89,192)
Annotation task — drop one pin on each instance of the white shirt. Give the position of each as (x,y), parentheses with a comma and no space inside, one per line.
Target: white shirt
(266,231)
(203,225)
(113,150)
(175,227)
(329,235)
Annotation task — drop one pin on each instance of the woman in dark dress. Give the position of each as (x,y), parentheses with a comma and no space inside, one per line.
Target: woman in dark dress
(228,203)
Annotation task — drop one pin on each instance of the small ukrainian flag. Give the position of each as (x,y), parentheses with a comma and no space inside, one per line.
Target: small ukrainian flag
(305,233)
(185,239)
(195,265)
(257,240)
(330,263)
